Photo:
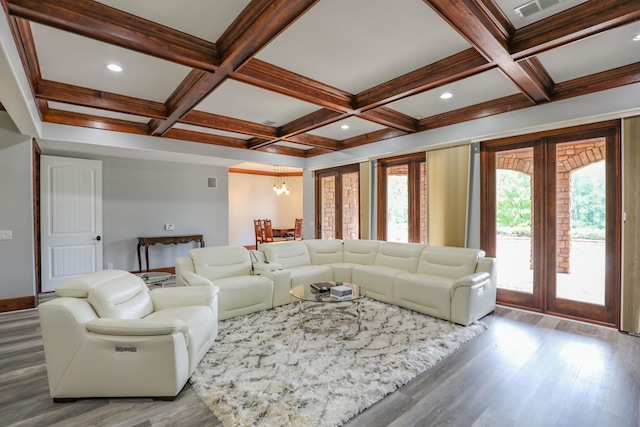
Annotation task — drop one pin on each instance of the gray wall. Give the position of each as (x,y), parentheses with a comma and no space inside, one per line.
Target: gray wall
(140,196)
(17,277)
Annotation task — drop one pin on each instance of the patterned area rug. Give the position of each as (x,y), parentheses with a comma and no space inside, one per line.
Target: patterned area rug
(264,370)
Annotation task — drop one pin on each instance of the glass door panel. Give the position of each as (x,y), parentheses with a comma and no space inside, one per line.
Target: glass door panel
(328,212)
(581,221)
(351,205)
(514,216)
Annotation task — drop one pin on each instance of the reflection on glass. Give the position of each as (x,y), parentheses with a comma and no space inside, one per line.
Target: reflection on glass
(328,213)
(398,203)
(581,221)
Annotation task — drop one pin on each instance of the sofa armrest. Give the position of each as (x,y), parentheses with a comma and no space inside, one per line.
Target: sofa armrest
(193,279)
(136,327)
(470,280)
(266,266)
(182,265)
(281,285)
(164,298)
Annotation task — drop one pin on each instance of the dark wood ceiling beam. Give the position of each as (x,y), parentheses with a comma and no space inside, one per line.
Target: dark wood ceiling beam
(584,20)
(311,121)
(256,143)
(315,141)
(276,79)
(471,20)
(610,79)
(93,122)
(228,124)
(370,138)
(26,49)
(464,64)
(195,87)
(205,138)
(287,151)
(485,109)
(259,23)
(69,94)
(390,118)
(106,24)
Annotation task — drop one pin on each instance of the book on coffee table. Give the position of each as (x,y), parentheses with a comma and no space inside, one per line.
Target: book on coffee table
(322,286)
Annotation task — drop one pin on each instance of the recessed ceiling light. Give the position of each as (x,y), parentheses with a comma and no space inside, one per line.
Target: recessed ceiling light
(446,95)
(114,67)
(344,127)
(636,38)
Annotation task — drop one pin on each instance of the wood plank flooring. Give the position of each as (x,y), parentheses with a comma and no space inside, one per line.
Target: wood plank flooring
(526,370)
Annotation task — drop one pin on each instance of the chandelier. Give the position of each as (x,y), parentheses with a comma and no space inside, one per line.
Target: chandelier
(279,171)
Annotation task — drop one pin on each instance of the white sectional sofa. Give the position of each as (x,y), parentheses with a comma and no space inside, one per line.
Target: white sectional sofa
(229,268)
(456,284)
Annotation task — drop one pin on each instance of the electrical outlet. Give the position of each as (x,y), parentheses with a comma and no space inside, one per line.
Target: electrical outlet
(6,235)
(168,227)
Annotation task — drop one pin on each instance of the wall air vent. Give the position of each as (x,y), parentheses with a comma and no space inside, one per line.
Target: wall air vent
(534,6)
(212,182)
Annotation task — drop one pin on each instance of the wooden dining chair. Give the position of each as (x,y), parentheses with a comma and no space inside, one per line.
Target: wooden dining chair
(259,230)
(267,230)
(297,230)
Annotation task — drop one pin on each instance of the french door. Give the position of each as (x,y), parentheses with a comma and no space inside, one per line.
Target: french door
(402,193)
(338,203)
(551,215)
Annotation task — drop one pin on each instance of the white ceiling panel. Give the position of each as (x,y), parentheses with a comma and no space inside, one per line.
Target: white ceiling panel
(605,51)
(97,112)
(546,8)
(356,44)
(246,102)
(201,18)
(470,91)
(80,61)
(356,127)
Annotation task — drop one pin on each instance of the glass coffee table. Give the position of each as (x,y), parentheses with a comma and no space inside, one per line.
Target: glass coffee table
(322,312)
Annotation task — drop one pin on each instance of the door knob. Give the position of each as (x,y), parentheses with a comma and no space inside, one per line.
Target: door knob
(98,238)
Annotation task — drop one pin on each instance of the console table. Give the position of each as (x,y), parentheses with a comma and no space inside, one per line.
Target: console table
(164,240)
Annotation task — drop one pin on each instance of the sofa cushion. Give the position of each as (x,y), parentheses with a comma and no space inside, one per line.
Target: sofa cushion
(219,262)
(79,287)
(398,255)
(241,295)
(121,298)
(449,262)
(424,293)
(287,254)
(324,251)
(360,251)
(377,280)
(310,274)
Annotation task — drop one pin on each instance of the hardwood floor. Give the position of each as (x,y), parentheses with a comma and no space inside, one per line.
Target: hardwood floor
(526,370)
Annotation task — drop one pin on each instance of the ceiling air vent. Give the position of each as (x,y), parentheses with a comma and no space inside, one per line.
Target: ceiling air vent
(534,6)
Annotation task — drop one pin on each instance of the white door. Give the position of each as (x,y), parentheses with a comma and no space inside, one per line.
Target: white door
(71,218)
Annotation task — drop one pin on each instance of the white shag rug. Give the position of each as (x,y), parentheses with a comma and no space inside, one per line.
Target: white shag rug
(264,370)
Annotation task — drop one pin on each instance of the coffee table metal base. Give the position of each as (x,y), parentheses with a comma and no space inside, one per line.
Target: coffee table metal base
(341,318)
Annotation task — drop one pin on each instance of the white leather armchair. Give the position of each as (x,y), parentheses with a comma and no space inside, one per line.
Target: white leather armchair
(107,335)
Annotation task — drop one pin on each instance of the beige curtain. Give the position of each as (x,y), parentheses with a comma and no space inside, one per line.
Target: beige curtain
(631,199)
(365,200)
(447,195)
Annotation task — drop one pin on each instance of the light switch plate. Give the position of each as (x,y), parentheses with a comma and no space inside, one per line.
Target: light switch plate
(6,235)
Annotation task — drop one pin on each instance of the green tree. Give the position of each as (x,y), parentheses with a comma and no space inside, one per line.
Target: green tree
(513,199)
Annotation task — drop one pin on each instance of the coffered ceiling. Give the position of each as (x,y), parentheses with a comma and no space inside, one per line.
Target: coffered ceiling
(304,78)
